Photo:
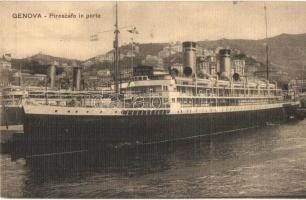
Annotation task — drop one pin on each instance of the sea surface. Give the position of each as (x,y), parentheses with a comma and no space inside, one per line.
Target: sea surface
(262,162)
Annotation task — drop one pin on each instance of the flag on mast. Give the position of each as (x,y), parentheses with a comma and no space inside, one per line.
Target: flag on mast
(133,30)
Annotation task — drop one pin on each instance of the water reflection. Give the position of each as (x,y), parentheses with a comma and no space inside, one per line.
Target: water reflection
(137,161)
(268,161)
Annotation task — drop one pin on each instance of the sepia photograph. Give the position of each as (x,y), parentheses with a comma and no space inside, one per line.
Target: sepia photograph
(153,99)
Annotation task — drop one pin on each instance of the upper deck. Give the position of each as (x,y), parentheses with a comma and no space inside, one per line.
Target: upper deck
(159,96)
(200,87)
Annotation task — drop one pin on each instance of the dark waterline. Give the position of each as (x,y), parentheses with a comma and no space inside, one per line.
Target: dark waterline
(262,162)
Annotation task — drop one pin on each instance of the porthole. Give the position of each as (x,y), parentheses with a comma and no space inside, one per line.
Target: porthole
(76,111)
(55,111)
(68,111)
(87,111)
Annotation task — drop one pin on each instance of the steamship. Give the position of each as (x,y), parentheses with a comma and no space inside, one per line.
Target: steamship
(156,107)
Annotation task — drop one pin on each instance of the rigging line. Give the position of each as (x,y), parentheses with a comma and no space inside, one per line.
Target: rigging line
(267,47)
(123,27)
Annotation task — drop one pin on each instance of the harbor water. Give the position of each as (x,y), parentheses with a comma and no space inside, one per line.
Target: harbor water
(263,162)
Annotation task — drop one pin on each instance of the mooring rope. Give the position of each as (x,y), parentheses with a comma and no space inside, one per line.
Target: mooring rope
(59,153)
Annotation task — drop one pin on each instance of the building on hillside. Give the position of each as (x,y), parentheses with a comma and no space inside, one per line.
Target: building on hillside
(298,85)
(208,64)
(87,63)
(171,49)
(108,57)
(238,64)
(153,61)
(201,51)
(5,62)
(203,64)
(104,73)
(26,79)
(213,64)
(5,70)
(130,54)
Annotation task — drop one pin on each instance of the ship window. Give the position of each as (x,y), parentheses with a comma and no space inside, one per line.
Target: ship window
(173,100)
(55,111)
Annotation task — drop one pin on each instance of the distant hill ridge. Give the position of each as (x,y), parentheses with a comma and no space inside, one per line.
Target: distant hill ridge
(287,52)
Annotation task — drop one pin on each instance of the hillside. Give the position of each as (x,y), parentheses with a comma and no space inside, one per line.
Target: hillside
(38,63)
(287,52)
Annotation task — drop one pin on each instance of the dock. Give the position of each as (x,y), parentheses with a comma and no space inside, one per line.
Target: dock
(10,135)
(7,132)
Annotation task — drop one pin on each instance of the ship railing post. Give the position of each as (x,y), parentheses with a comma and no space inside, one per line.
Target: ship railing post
(216,101)
(150,100)
(258,92)
(231,86)
(268,88)
(123,102)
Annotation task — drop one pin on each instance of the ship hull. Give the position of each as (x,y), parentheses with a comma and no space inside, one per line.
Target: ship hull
(87,130)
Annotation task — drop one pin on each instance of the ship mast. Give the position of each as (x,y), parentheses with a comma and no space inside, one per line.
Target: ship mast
(267,47)
(116,53)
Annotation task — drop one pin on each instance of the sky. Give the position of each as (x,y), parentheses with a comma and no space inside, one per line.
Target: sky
(155,22)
